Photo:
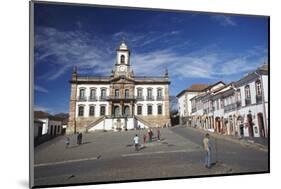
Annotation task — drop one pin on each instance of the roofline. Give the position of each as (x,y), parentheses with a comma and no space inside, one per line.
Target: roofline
(210,86)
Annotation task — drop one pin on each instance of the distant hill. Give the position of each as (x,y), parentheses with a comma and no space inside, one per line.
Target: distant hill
(60,116)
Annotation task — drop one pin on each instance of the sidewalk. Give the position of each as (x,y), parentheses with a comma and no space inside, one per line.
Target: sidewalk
(257,143)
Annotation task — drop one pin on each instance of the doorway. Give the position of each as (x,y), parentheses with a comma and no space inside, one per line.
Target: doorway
(261,125)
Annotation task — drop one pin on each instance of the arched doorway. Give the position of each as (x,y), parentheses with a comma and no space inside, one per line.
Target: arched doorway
(218,124)
(126,111)
(116,111)
(250,125)
(261,125)
(240,125)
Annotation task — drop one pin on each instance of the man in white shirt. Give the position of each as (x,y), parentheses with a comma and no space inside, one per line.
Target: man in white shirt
(136,142)
(207,148)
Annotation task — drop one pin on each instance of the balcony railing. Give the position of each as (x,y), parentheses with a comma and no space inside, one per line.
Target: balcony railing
(247,101)
(140,98)
(121,97)
(103,98)
(150,98)
(159,98)
(238,104)
(92,98)
(259,99)
(81,98)
(193,110)
(230,107)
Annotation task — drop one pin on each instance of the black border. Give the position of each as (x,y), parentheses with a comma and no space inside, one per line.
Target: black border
(31,91)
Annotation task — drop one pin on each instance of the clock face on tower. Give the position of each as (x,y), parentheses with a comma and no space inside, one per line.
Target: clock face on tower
(122,68)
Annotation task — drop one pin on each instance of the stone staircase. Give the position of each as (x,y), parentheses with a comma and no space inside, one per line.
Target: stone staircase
(143,121)
(94,123)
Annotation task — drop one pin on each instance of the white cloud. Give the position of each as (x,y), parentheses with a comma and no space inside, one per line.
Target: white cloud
(42,108)
(209,63)
(40,89)
(69,48)
(224,20)
(94,55)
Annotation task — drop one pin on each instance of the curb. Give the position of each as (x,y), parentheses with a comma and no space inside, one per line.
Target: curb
(243,142)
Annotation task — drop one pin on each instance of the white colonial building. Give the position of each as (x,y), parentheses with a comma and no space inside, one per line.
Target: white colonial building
(239,108)
(120,101)
(50,125)
(184,103)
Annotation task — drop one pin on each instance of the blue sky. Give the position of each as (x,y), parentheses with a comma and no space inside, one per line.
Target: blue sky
(195,47)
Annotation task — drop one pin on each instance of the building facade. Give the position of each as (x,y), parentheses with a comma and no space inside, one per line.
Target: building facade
(120,101)
(239,108)
(50,125)
(184,103)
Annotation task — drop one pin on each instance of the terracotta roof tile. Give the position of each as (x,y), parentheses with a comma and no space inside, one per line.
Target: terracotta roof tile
(197,87)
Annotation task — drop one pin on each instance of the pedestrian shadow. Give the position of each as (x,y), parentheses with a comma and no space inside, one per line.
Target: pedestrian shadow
(86,142)
(142,147)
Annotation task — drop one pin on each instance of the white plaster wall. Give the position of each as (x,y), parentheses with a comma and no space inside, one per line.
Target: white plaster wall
(255,109)
(97,86)
(45,126)
(190,95)
(253,92)
(181,100)
(219,113)
(118,57)
(265,87)
(154,102)
(154,108)
(55,123)
(97,103)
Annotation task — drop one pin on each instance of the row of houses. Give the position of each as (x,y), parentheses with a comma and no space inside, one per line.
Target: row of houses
(239,108)
(47,126)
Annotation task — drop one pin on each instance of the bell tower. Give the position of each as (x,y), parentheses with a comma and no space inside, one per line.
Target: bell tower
(122,66)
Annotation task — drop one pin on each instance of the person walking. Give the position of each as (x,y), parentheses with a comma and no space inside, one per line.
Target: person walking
(80,139)
(150,135)
(158,133)
(144,138)
(207,149)
(136,142)
(67,141)
(77,138)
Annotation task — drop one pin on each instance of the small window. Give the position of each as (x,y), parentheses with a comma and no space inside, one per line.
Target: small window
(103,93)
(258,88)
(122,59)
(149,110)
(81,111)
(93,93)
(149,92)
(116,92)
(102,110)
(82,93)
(238,93)
(159,110)
(139,110)
(247,91)
(126,92)
(92,111)
(139,92)
(159,92)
